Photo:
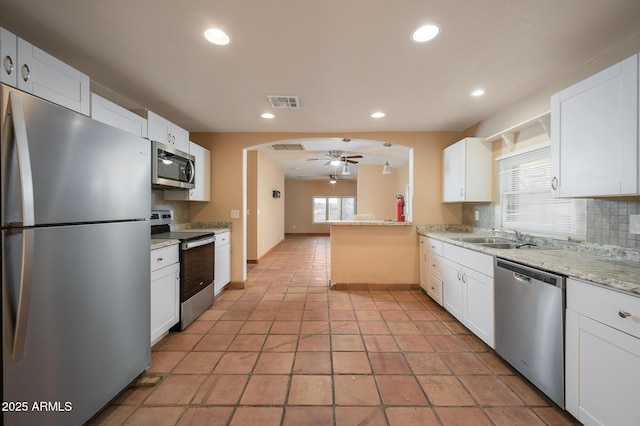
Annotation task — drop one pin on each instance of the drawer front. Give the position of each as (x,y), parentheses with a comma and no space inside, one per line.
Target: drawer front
(436,265)
(434,289)
(618,310)
(223,238)
(434,246)
(164,256)
(471,259)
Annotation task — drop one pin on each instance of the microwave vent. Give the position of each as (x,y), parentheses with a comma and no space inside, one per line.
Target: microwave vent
(284,102)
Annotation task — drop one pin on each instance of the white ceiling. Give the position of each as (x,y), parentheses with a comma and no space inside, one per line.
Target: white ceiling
(344,58)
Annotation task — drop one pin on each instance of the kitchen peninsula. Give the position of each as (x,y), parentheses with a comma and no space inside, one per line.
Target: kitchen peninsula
(373,254)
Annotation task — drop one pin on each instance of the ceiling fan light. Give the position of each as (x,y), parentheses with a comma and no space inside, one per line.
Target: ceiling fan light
(332,181)
(345,169)
(335,162)
(386,170)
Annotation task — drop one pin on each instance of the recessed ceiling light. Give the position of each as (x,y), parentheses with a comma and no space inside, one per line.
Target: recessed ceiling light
(267,115)
(477,92)
(378,115)
(217,36)
(425,33)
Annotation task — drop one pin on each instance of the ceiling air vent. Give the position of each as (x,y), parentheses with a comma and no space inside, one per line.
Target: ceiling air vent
(287,102)
(287,147)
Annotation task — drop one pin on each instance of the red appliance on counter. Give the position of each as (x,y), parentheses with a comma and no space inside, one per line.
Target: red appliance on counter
(400,209)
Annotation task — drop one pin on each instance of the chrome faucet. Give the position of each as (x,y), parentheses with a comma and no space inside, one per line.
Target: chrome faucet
(518,234)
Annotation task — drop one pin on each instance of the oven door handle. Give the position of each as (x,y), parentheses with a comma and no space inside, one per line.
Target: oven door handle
(193,244)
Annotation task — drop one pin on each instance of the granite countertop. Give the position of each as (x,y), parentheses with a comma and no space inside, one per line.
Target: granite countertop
(368,223)
(159,243)
(615,273)
(215,227)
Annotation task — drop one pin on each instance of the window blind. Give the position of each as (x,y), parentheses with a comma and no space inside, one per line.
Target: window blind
(525,202)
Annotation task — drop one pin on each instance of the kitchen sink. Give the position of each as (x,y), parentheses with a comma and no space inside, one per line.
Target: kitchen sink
(499,243)
(514,246)
(484,240)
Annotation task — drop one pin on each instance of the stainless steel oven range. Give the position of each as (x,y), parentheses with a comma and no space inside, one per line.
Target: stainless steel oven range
(197,250)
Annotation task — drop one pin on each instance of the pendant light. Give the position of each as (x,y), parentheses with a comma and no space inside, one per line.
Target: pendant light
(386,170)
(345,168)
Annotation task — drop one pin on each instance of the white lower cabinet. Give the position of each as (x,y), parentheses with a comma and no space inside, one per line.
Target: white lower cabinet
(222,269)
(431,268)
(468,290)
(165,291)
(602,355)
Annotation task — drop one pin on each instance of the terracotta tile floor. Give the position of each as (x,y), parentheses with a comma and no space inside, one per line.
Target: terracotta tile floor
(287,350)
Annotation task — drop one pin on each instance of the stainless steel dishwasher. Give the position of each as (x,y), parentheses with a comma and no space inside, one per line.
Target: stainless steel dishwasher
(529,325)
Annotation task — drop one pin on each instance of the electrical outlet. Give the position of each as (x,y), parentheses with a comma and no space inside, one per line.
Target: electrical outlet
(235,214)
(477,215)
(634,224)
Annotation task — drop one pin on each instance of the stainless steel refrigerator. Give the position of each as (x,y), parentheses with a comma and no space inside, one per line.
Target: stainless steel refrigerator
(75,205)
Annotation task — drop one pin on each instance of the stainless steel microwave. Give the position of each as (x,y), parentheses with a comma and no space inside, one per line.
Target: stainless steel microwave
(171,168)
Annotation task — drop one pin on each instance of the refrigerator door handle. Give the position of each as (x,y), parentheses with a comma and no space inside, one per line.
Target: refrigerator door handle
(16,111)
(16,327)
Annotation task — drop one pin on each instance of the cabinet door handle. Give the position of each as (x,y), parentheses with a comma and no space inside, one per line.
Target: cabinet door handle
(554,183)
(159,259)
(26,72)
(624,314)
(459,276)
(461,192)
(8,64)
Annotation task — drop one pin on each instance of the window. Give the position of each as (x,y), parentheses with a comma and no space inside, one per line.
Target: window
(333,208)
(525,201)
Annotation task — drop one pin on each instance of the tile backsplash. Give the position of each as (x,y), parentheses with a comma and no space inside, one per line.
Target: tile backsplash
(607,220)
(180,209)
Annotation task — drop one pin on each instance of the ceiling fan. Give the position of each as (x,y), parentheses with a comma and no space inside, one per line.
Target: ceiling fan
(333,179)
(335,158)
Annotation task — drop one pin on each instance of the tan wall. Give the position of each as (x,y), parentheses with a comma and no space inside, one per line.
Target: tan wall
(270,211)
(374,255)
(227,177)
(298,203)
(376,192)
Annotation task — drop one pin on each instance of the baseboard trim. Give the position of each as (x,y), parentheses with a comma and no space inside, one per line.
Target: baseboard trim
(374,287)
(307,234)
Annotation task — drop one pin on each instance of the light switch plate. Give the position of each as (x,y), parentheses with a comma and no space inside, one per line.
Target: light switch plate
(235,214)
(634,224)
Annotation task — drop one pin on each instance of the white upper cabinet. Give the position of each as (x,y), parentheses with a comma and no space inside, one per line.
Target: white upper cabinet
(467,171)
(114,115)
(594,134)
(162,130)
(202,190)
(9,55)
(34,71)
